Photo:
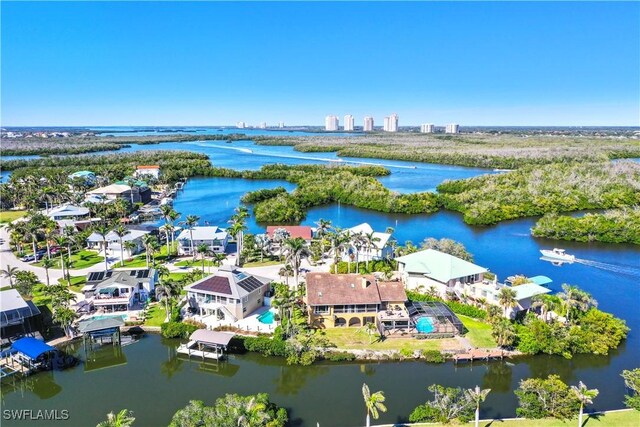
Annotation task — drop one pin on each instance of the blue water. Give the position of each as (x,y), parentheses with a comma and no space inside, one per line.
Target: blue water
(267,318)
(424,325)
(199,130)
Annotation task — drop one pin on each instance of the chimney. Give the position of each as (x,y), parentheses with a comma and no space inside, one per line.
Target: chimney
(365,283)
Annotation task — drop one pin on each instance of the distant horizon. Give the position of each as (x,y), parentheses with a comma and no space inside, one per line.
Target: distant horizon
(176,63)
(275,127)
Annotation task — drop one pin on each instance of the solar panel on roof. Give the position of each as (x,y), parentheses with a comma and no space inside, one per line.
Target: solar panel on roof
(250,284)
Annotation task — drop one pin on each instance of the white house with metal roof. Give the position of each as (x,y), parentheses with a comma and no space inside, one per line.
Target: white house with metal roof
(428,268)
(95,241)
(214,237)
(381,248)
(67,212)
(119,290)
(228,295)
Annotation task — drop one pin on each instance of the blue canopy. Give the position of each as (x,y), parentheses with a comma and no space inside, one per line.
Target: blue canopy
(540,280)
(31,347)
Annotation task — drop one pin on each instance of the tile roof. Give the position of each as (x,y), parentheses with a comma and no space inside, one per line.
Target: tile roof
(337,289)
(303,231)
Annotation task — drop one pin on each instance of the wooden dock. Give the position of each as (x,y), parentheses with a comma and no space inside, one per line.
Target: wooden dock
(10,367)
(478,354)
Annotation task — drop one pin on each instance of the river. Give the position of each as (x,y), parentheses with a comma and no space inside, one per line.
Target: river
(610,272)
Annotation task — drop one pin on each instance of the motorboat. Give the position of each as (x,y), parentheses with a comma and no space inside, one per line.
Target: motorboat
(558,254)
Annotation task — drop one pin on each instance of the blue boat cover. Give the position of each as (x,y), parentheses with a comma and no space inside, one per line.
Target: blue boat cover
(31,347)
(540,280)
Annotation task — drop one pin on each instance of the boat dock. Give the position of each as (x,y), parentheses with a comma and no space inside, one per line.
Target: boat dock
(478,354)
(206,344)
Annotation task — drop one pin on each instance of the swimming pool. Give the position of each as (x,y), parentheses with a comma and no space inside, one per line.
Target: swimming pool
(424,325)
(267,318)
(115,316)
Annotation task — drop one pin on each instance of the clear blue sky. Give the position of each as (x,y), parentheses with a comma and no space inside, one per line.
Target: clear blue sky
(126,63)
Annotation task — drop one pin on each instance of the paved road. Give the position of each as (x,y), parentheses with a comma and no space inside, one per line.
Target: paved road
(8,258)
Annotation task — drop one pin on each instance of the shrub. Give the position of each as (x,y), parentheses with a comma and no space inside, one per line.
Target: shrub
(266,346)
(433,356)
(339,356)
(542,398)
(177,329)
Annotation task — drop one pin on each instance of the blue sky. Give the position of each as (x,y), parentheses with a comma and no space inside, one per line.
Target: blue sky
(126,63)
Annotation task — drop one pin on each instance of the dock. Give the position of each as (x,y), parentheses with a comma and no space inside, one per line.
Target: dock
(191,349)
(478,354)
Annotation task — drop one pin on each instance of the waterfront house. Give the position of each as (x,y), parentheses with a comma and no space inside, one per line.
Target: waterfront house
(488,291)
(88,178)
(294,231)
(137,194)
(17,316)
(119,290)
(95,242)
(382,247)
(214,237)
(68,212)
(353,300)
(228,295)
(145,171)
(430,268)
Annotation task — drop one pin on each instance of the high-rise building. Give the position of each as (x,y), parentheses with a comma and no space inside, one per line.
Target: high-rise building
(348,123)
(263,125)
(281,125)
(452,128)
(427,128)
(241,125)
(331,123)
(368,124)
(391,123)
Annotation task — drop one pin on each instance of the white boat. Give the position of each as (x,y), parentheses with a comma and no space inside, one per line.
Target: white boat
(557,254)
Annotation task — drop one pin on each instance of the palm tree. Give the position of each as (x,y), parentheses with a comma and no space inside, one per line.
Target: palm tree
(477,396)
(263,243)
(238,225)
(47,263)
(338,240)
(64,241)
(9,273)
(370,240)
(102,231)
(64,316)
(190,223)
(173,217)
(374,403)
(295,249)
(148,241)
(507,299)
(202,250)
(585,396)
(370,328)
(168,232)
(166,212)
(503,332)
(357,242)
(322,229)
(575,298)
(121,231)
(124,418)
(286,272)
(130,246)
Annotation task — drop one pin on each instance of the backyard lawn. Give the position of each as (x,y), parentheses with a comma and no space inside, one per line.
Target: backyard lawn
(479,332)
(9,216)
(357,339)
(140,260)
(197,263)
(77,282)
(156,315)
(262,264)
(626,418)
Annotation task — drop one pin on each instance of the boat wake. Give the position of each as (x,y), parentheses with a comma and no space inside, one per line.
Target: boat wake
(628,270)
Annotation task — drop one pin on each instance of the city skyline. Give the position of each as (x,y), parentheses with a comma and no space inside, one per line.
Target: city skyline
(574,64)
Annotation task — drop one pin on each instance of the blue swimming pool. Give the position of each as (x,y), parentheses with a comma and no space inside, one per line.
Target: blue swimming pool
(106,316)
(267,318)
(424,325)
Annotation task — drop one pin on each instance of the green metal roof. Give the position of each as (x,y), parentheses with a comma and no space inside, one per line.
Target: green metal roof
(439,265)
(99,324)
(529,290)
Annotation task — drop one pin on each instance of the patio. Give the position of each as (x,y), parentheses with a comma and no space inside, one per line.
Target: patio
(250,323)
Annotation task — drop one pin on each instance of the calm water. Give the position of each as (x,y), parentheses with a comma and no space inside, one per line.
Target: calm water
(149,379)
(610,272)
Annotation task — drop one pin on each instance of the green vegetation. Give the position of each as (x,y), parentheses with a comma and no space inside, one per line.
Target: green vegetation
(177,329)
(156,315)
(260,195)
(10,216)
(614,226)
(79,260)
(362,267)
(318,185)
(448,404)
(623,418)
(77,282)
(478,332)
(487,150)
(632,382)
(262,263)
(88,144)
(455,306)
(232,410)
(358,339)
(550,397)
(532,191)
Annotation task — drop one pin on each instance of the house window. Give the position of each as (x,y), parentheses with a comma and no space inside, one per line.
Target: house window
(321,309)
(244,309)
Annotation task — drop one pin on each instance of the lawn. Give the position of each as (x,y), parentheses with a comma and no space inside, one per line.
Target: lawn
(77,282)
(357,339)
(627,418)
(262,264)
(9,216)
(156,315)
(479,333)
(197,263)
(140,260)
(79,260)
